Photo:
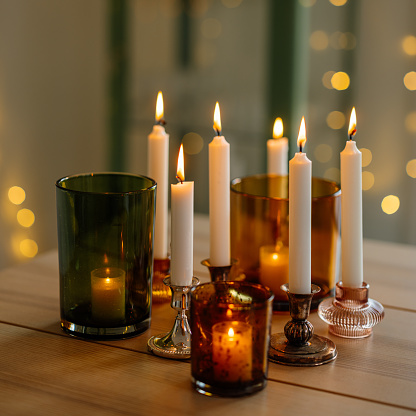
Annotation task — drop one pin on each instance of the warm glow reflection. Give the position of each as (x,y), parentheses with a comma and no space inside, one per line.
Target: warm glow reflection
(409,45)
(367,180)
(332,174)
(409,81)
(180,172)
(411,168)
(231,332)
(28,248)
(352,129)
(390,204)
(217,119)
(16,195)
(340,81)
(335,120)
(25,217)
(302,134)
(278,128)
(410,122)
(326,79)
(338,2)
(193,143)
(159,107)
(366,157)
(323,153)
(318,40)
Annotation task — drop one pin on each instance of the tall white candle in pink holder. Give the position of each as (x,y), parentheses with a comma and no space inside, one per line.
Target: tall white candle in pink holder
(182,227)
(157,169)
(277,150)
(351,211)
(219,196)
(300,215)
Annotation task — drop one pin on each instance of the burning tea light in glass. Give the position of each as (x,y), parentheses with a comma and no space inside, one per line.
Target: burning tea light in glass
(108,295)
(277,150)
(232,351)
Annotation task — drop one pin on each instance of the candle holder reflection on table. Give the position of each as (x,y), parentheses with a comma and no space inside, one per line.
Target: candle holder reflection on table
(175,344)
(160,292)
(230,324)
(298,346)
(351,314)
(219,273)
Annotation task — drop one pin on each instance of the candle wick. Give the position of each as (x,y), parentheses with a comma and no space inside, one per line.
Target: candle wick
(179,179)
(300,148)
(218,132)
(161,122)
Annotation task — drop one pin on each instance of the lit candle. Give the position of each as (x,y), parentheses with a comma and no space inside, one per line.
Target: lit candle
(277,150)
(351,211)
(108,293)
(300,206)
(182,226)
(274,268)
(232,351)
(157,169)
(219,196)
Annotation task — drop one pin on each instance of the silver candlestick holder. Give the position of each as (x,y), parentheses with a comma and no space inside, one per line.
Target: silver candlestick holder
(175,344)
(298,346)
(351,314)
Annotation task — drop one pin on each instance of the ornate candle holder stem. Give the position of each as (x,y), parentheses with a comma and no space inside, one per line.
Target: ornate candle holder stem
(351,314)
(175,344)
(160,292)
(298,346)
(218,273)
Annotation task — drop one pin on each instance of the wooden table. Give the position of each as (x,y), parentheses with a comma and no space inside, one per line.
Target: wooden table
(45,372)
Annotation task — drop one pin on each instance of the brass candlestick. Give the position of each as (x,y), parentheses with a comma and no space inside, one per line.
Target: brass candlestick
(351,314)
(298,346)
(219,273)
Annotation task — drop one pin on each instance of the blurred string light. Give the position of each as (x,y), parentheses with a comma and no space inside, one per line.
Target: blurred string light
(367,180)
(326,79)
(318,40)
(409,80)
(211,28)
(25,217)
(340,81)
(390,204)
(335,120)
(409,45)
(16,195)
(411,168)
(340,40)
(332,174)
(192,143)
(366,156)
(28,247)
(410,122)
(338,2)
(323,153)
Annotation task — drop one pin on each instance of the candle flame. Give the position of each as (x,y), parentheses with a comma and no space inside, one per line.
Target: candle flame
(302,134)
(217,119)
(180,172)
(231,332)
(278,128)
(352,129)
(159,107)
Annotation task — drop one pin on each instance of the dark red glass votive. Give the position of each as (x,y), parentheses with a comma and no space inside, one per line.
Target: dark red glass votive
(230,323)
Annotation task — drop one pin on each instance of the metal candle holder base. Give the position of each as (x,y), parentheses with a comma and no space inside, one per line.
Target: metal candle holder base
(218,273)
(351,314)
(160,292)
(298,346)
(175,344)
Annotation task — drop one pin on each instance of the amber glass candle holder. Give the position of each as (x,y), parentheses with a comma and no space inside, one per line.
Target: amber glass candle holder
(230,323)
(260,233)
(160,291)
(105,242)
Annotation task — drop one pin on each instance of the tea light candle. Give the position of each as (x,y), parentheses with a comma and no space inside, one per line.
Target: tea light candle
(108,293)
(182,221)
(277,150)
(157,169)
(232,351)
(300,215)
(219,196)
(274,267)
(351,211)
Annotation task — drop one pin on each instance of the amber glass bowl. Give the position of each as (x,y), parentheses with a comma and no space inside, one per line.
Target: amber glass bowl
(260,233)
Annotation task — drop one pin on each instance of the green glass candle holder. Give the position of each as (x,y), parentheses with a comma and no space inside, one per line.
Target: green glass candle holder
(105,242)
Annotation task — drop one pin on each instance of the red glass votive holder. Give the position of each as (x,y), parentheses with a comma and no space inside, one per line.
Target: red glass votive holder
(230,323)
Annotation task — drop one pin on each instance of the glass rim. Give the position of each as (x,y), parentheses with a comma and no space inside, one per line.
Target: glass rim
(238,180)
(119,174)
(257,304)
